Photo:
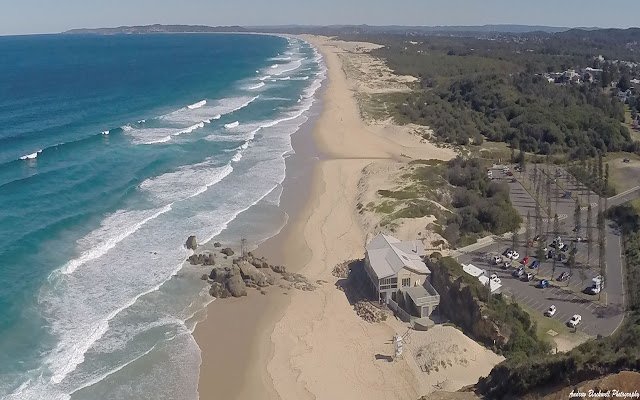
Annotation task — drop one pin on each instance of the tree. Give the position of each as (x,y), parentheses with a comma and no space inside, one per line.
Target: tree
(589,234)
(600,169)
(606,178)
(577,216)
(624,83)
(571,260)
(537,212)
(527,237)
(548,220)
(601,242)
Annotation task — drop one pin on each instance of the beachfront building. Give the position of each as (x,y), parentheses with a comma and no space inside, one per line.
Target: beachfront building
(396,269)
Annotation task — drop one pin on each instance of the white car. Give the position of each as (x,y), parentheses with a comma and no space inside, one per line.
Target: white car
(493,276)
(509,254)
(497,260)
(551,311)
(514,255)
(574,321)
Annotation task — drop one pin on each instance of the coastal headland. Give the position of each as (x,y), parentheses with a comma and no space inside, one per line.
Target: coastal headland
(287,344)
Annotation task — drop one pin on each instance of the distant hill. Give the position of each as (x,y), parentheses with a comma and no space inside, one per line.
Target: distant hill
(157,28)
(409,30)
(328,30)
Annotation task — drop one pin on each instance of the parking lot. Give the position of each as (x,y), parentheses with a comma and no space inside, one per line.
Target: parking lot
(601,314)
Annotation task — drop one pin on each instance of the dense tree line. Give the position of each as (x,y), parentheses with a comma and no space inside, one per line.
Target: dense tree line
(481,205)
(473,89)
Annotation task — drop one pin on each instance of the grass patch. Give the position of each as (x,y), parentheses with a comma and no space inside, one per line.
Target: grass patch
(386,207)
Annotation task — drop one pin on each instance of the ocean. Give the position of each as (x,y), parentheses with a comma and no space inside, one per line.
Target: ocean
(113,150)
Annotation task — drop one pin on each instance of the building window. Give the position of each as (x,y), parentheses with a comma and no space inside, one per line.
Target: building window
(406,282)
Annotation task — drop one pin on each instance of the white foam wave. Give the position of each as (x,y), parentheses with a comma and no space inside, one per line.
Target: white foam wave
(232,125)
(190,129)
(289,67)
(186,182)
(287,58)
(112,231)
(274,66)
(264,78)
(258,86)
(301,78)
(31,156)
(197,105)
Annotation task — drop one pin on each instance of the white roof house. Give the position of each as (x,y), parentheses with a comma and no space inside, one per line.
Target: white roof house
(388,255)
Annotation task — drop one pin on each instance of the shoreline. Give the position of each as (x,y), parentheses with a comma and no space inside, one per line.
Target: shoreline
(246,377)
(312,345)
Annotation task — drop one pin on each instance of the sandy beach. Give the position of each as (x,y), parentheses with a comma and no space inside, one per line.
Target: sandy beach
(312,345)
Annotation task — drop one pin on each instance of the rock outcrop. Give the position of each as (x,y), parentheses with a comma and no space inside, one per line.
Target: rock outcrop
(232,277)
(191,243)
(458,303)
(369,312)
(202,259)
(251,273)
(217,244)
(227,251)
(236,286)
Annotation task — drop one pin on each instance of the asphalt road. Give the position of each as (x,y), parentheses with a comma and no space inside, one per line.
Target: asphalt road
(598,317)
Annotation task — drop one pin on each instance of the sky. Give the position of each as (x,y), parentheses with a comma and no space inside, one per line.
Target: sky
(50,16)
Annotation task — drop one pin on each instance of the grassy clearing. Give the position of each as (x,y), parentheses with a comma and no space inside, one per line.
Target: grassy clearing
(623,176)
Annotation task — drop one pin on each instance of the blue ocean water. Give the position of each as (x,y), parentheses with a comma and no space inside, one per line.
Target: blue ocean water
(113,149)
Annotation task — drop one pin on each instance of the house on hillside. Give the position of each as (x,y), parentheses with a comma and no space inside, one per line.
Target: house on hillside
(397,273)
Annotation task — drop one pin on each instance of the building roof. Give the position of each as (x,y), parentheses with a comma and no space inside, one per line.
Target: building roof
(473,270)
(388,255)
(423,295)
(493,285)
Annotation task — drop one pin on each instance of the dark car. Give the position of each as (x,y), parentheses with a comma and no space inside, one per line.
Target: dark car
(535,264)
(543,284)
(564,276)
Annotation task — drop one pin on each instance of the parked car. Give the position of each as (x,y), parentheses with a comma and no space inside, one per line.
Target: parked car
(518,272)
(493,276)
(515,255)
(535,264)
(528,277)
(507,253)
(551,311)
(626,160)
(563,247)
(497,260)
(543,284)
(575,320)
(550,254)
(506,265)
(525,260)
(563,276)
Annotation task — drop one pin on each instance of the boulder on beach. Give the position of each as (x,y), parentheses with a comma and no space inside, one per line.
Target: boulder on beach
(219,291)
(201,259)
(236,286)
(191,243)
(279,269)
(227,252)
(251,273)
(217,244)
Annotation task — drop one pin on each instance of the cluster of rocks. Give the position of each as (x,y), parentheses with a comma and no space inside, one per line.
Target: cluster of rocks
(232,276)
(369,312)
(342,270)
(202,259)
